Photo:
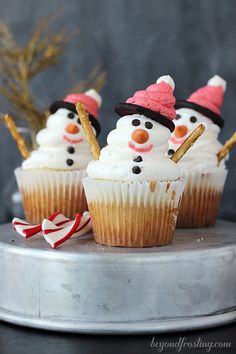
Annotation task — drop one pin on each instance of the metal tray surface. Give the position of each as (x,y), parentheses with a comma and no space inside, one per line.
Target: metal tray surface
(86,288)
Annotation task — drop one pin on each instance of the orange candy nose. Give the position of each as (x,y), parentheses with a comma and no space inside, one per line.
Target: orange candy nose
(140,136)
(181,131)
(72,129)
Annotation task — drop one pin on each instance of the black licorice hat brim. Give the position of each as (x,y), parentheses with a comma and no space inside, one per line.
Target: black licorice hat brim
(71,107)
(123,109)
(216,118)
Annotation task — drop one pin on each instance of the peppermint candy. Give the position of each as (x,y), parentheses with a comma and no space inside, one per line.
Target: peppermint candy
(56,229)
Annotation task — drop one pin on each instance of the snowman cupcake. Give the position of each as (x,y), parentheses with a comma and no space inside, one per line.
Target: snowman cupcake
(50,179)
(133,190)
(205,177)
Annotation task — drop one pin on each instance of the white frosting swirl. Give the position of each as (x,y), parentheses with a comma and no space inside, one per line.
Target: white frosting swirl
(202,156)
(116,160)
(55,142)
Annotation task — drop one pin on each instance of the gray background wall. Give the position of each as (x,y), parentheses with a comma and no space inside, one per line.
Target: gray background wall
(135,41)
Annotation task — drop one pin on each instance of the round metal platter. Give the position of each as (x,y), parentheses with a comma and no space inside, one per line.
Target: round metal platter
(86,288)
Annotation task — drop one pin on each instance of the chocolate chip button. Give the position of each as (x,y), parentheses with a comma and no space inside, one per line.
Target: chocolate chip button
(171,152)
(69,162)
(138,159)
(71,149)
(136,170)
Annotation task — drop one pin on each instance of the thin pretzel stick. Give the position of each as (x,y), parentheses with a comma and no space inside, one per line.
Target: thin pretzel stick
(228,146)
(179,153)
(16,136)
(86,124)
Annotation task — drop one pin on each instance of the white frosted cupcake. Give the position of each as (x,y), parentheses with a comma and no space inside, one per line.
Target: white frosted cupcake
(50,179)
(133,190)
(205,177)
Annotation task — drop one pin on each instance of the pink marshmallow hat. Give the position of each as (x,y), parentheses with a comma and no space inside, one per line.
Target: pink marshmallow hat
(156,102)
(207,100)
(92,101)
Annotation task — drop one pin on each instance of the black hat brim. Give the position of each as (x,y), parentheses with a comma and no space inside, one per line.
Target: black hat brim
(71,107)
(216,118)
(123,109)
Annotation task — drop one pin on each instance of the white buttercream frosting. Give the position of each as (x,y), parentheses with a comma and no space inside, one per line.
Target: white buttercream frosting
(202,156)
(95,95)
(55,142)
(167,79)
(216,80)
(116,161)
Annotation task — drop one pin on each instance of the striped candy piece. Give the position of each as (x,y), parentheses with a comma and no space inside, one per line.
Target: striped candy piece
(85,225)
(27,230)
(55,235)
(56,229)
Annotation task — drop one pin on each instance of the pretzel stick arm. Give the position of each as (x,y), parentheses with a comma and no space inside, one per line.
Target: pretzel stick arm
(16,136)
(188,143)
(86,124)
(228,146)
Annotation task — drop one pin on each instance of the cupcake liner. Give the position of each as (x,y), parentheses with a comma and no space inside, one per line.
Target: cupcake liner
(201,199)
(133,214)
(45,192)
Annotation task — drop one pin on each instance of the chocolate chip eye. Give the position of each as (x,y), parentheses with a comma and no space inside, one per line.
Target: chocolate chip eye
(78,121)
(193,119)
(70,115)
(148,125)
(178,116)
(136,122)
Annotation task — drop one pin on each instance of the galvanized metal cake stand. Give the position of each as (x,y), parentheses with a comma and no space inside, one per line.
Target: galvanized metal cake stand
(86,288)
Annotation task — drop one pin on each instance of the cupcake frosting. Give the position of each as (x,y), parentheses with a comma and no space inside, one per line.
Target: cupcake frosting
(136,148)
(202,107)
(124,159)
(202,156)
(62,144)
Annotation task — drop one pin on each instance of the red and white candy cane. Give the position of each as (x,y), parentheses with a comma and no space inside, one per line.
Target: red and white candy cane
(55,235)
(56,229)
(27,230)
(84,226)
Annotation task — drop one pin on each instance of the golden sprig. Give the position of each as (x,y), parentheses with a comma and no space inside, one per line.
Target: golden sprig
(96,80)
(20,64)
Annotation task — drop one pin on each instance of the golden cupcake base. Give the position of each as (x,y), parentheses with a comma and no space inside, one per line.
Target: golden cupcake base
(199,207)
(132,226)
